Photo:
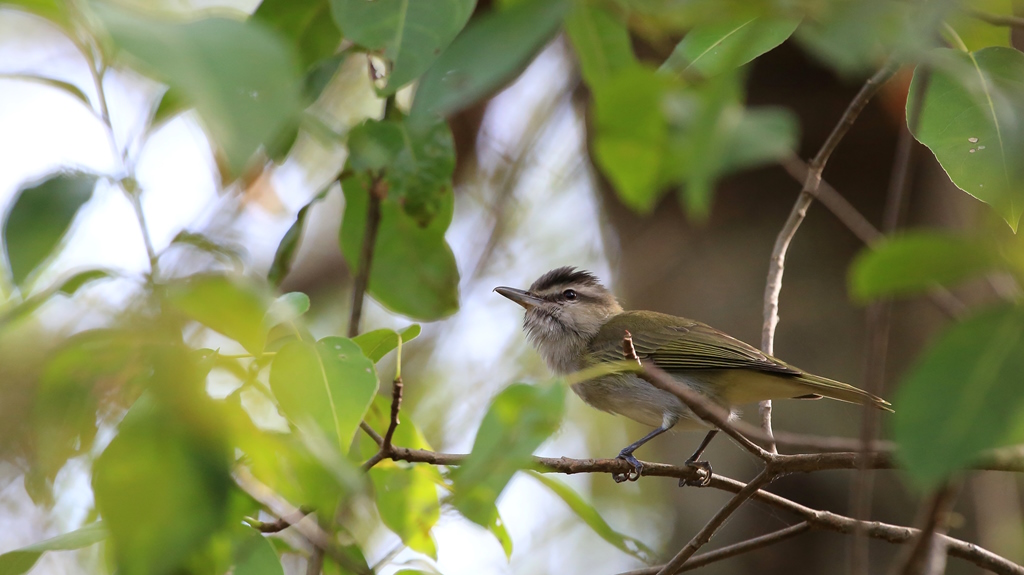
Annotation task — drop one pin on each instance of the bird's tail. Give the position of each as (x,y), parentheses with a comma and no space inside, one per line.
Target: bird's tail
(823,386)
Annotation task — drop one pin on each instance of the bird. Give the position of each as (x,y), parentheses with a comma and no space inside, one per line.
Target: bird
(574,322)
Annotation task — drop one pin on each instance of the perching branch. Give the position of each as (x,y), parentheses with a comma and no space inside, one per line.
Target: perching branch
(698,561)
(773,286)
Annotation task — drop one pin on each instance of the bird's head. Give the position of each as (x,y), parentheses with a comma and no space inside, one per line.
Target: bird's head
(565,308)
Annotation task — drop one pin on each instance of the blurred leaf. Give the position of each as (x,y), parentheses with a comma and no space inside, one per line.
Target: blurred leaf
(330,384)
(241,77)
(76,281)
(66,87)
(411,34)
(963,396)
(497,528)
(761,136)
(320,75)
(304,23)
(519,419)
(170,105)
(287,308)
(592,518)
(374,145)
(854,36)
(720,46)
(407,502)
(285,254)
(971,122)
(975,32)
(231,306)
(22,560)
(489,52)
(601,41)
(413,272)
(224,252)
(55,11)
(631,133)
(254,555)
(379,342)
(918,261)
(40,217)
(162,485)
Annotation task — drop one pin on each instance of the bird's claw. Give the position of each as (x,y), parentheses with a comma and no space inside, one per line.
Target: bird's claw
(631,475)
(704,474)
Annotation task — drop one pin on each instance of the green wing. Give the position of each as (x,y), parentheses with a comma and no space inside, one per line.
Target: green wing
(679,344)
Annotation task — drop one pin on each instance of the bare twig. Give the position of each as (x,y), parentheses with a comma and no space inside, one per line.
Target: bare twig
(698,561)
(371,432)
(773,286)
(386,448)
(283,509)
(997,19)
(280,524)
(716,522)
(703,408)
(927,554)
(378,189)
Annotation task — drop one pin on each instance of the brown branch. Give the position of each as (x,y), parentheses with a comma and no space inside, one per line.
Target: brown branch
(927,554)
(716,522)
(371,432)
(378,189)
(283,509)
(701,406)
(386,448)
(997,19)
(773,286)
(698,561)
(280,524)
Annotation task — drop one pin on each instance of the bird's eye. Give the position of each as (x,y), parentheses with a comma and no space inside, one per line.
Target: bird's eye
(569,294)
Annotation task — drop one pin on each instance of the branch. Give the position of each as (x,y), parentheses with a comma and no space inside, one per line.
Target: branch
(773,286)
(703,408)
(280,524)
(927,554)
(996,19)
(378,189)
(285,510)
(386,448)
(733,550)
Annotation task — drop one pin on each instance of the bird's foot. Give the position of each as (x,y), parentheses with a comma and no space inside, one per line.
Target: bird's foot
(631,475)
(703,474)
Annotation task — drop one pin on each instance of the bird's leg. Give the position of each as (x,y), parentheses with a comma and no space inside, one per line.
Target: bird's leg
(694,461)
(627,454)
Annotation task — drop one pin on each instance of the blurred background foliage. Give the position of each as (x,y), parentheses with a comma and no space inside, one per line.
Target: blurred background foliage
(193,190)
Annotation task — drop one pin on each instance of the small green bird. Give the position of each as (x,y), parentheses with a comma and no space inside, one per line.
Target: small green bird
(574,322)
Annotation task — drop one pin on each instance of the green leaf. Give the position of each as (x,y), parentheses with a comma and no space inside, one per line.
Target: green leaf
(413,272)
(410,34)
(631,134)
(497,528)
(408,504)
(40,217)
(55,11)
(287,308)
(170,105)
(227,253)
(761,136)
(329,384)
(592,518)
(489,52)
(76,281)
(379,342)
(162,486)
(285,254)
(970,121)
(519,419)
(975,32)
(241,78)
(231,306)
(67,87)
(963,396)
(254,555)
(304,23)
(601,41)
(853,36)
(720,46)
(918,261)
(21,560)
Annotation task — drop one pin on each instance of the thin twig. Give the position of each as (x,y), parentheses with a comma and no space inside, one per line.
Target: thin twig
(773,286)
(703,408)
(927,554)
(997,19)
(698,561)
(386,448)
(283,509)
(716,522)
(378,189)
(280,524)
(372,433)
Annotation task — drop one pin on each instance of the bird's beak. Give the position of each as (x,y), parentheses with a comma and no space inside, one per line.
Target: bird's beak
(521,297)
